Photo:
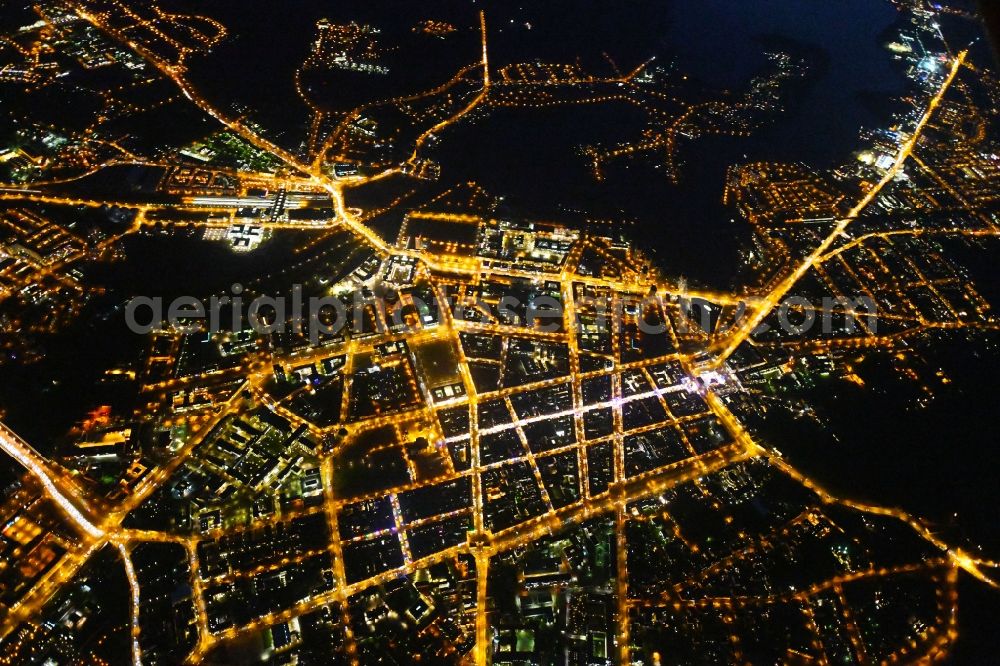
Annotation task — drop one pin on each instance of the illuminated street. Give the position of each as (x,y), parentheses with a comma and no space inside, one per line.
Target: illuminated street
(308,385)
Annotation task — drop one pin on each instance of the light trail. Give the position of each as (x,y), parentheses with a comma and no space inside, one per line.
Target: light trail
(614,402)
(134,588)
(486,53)
(623,633)
(22,452)
(482,648)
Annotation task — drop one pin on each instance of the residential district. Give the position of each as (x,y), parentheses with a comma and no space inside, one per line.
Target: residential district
(530,444)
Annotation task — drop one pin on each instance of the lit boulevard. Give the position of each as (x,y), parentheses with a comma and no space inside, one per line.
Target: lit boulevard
(774,297)
(632,383)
